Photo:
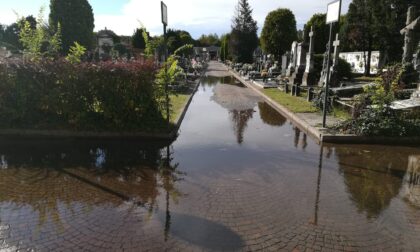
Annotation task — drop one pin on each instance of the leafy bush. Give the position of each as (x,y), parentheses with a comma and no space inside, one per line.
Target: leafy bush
(61,95)
(373,115)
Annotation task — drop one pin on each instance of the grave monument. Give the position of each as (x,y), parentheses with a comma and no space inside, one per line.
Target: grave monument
(309,77)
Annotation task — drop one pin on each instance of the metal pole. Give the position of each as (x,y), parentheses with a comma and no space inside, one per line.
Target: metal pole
(166,75)
(327,81)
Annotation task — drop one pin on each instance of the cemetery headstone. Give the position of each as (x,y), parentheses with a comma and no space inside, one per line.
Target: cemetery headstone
(410,33)
(323,78)
(284,63)
(293,59)
(296,78)
(334,72)
(309,77)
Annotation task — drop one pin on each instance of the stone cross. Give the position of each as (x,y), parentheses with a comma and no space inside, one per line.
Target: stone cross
(336,45)
(409,31)
(309,56)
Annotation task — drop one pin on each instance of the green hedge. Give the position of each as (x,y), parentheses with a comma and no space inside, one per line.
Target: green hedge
(89,96)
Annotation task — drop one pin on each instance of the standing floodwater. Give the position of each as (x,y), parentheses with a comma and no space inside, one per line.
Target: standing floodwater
(239,177)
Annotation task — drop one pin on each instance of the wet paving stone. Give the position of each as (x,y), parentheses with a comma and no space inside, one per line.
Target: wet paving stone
(234,181)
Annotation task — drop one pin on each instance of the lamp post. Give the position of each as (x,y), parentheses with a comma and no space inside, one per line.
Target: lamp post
(333,16)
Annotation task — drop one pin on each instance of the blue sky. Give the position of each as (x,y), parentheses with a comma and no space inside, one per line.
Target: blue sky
(196,16)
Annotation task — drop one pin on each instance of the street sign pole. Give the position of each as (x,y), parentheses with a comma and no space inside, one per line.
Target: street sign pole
(164,10)
(333,16)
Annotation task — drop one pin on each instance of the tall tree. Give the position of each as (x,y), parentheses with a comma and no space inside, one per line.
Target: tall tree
(243,37)
(225,55)
(137,39)
(177,38)
(209,40)
(76,20)
(279,32)
(375,25)
(11,33)
(321,30)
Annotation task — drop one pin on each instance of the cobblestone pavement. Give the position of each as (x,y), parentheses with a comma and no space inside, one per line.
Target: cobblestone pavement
(247,183)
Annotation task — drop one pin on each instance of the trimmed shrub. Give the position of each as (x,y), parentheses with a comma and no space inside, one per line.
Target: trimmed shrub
(61,95)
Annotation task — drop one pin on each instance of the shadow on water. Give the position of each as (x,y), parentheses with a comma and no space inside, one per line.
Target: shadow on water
(270,116)
(50,174)
(203,232)
(374,177)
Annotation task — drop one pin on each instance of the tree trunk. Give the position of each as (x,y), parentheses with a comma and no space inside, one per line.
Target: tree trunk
(369,56)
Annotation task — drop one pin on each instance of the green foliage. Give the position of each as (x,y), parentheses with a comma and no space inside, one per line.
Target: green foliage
(225,54)
(38,42)
(344,70)
(243,37)
(209,40)
(137,40)
(76,53)
(184,50)
(321,30)
(376,24)
(9,35)
(76,20)
(279,32)
(60,95)
(177,38)
(373,115)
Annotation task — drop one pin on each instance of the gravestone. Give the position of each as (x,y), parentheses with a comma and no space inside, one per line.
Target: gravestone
(297,75)
(293,59)
(334,70)
(309,77)
(411,37)
(284,63)
(323,78)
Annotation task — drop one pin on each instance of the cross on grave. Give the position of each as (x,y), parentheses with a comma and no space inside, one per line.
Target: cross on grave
(336,44)
(410,37)
(309,56)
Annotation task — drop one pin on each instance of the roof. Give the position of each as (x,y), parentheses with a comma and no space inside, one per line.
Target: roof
(106,33)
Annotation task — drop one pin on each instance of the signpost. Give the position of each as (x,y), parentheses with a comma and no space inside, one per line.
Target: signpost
(333,16)
(164,10)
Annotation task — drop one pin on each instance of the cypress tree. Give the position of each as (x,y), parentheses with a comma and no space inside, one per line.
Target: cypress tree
(76,20)
(243,38)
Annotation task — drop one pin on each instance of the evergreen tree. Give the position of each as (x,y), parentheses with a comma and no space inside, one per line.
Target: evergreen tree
(137,39)
(279,32)
(243,37)
(225,55)
(76,20)
(321,30)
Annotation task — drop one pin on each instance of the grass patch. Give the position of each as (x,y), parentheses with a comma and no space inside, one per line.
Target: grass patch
(366,78)
(341,113)
(294,104)
(178,102)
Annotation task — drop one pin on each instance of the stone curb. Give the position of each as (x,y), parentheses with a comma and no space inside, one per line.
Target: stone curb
(319,136)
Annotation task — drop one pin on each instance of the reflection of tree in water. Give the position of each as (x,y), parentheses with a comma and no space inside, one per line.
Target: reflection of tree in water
(240,120)
(48,176)
(373,178)
(412,181)
(270,116)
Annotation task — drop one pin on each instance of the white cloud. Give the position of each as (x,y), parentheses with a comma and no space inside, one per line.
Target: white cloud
(201,15)
(196,16)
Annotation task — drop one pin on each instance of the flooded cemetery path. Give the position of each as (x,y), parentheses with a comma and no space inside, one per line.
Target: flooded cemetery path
(239,177)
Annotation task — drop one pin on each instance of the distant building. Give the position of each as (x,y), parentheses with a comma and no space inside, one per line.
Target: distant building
(105,41)
(357,62)
(207,53)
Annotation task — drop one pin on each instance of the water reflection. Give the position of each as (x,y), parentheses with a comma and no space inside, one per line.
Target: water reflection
(412,182)
(372,178)
(270,116)
(55,178)
(240,122)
